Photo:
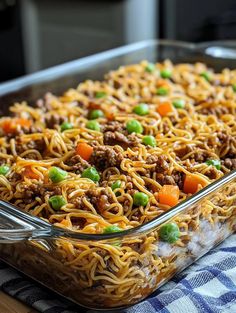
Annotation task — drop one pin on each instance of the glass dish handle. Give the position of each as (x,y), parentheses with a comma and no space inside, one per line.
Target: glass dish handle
(17,226)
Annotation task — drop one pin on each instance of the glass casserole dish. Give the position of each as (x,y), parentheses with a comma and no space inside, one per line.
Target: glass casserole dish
(127,266)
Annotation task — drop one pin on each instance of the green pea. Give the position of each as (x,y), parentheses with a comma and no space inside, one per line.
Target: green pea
(111,229)
(66,126)
(149,141)
(4,169)
(150,68)
(116,185)
(56,202)
(162,91)
(100,94)
(140,198)
(166,73)
(93,125)
(215,163)
(133,126)
(56,174)
(206,75)
(234,87)
(91,173)
(141,109)
(179,103)
(169,232)
(95,114)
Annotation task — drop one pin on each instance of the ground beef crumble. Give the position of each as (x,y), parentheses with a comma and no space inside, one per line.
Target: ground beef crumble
(37,190)
(113,126)
(29,130)
(229,163)
(160,161)
(115,133)
(117,138)
(161,169)
(32,144)
(53,120)
(217,111)
(100,199)
(77,164)
(104,157)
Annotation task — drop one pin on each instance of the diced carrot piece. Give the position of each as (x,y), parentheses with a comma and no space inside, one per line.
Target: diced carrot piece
(23,122)
(192,183)
(169,195)
(164,108)
(94,106)
(84,150)
(65,223)
(110,116)
(9,125)
(162,83)
(29,173)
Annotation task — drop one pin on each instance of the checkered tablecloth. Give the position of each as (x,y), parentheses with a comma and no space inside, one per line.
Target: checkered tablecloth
(209,285)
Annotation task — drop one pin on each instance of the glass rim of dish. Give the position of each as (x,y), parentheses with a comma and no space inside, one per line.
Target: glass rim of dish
(155,222)
(47,230)
(71,67)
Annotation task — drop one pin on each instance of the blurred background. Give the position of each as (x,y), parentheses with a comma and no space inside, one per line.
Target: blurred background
(36,34)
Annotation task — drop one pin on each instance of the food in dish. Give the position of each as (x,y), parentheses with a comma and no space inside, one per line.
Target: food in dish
(112,155)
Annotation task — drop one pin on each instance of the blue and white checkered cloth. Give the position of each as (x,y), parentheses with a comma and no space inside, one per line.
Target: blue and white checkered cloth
(208,286)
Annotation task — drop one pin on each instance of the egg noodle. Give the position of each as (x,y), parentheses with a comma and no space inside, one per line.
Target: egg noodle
(161,130)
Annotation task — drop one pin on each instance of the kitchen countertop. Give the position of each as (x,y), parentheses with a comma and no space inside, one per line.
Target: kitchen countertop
(10,305)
